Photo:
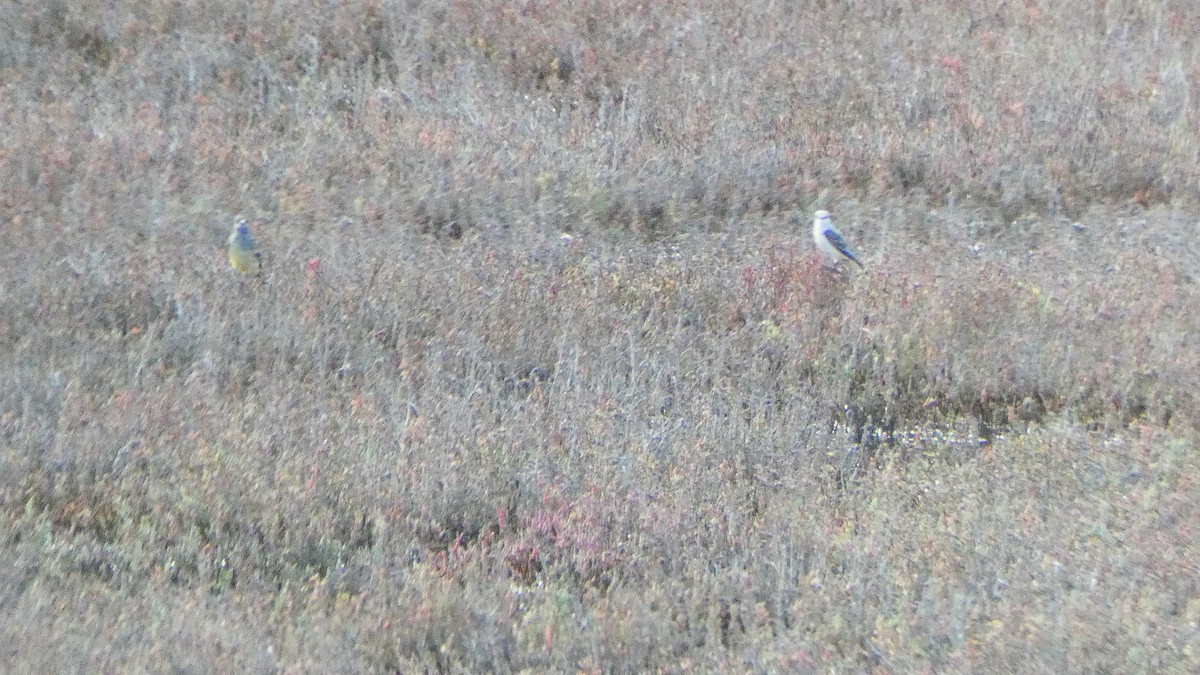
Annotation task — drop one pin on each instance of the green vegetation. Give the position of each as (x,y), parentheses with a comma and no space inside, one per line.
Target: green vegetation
(438,435)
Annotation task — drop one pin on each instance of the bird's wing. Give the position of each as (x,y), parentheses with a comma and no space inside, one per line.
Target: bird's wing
(840,244)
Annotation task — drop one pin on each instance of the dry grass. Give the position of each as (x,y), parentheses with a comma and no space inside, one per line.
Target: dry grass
(437,436)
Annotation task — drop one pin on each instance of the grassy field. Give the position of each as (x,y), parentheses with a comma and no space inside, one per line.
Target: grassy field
(543,374)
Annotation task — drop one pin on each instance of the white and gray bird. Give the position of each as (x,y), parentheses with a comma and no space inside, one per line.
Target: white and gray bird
(829,241)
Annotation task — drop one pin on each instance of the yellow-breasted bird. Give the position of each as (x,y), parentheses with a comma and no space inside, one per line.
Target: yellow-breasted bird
(243,254)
